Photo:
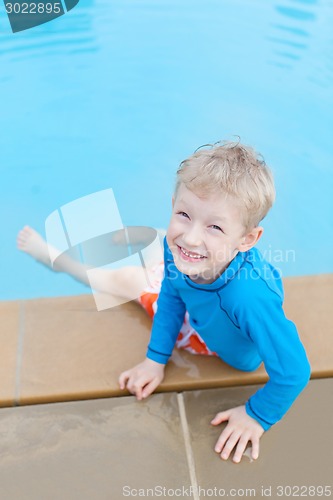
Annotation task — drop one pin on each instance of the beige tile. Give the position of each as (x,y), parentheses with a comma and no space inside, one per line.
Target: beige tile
(297,451)
(308,302)
(72,351)
(91,450)
(10,326)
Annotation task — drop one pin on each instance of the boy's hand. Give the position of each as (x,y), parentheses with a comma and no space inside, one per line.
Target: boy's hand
(142,379)
(240,430)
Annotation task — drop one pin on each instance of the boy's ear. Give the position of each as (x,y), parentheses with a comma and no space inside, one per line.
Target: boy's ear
(251,239)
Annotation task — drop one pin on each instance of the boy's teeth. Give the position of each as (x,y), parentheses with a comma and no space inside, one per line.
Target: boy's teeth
(196,256)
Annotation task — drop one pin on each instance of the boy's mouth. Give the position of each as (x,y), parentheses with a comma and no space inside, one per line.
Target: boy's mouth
(190,256)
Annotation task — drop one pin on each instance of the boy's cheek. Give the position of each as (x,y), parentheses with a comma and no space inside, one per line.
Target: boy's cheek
(168,239)
(170,235)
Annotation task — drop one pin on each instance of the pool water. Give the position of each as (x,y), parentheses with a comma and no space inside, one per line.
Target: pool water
(117,94)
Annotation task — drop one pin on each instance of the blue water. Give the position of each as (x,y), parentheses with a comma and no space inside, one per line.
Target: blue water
(116,94)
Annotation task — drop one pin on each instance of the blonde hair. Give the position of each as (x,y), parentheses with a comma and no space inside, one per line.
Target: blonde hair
(232,169)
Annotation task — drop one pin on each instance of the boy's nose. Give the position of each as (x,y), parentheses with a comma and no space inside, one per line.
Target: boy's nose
(193,237)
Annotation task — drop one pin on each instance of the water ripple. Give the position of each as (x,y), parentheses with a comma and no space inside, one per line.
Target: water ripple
(298,14)
(300,40)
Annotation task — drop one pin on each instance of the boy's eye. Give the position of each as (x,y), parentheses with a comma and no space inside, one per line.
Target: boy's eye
(183,214)
(214,226)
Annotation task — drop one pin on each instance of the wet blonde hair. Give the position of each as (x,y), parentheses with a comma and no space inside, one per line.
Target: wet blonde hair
(233,169)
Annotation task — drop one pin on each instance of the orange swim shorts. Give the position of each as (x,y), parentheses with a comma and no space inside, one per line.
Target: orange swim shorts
(188,338)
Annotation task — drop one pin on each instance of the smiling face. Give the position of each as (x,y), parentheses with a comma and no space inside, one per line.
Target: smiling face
(205,234)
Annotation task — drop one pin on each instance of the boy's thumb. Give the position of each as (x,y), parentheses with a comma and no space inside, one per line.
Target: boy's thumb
(220,417)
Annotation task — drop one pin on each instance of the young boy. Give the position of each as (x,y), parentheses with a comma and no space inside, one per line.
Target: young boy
(230,296)
(218,295)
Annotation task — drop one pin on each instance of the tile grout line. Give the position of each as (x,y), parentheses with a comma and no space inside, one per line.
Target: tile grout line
(188,447)
(19,354)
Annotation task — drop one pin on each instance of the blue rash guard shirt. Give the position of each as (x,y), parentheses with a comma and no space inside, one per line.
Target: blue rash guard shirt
(240,317)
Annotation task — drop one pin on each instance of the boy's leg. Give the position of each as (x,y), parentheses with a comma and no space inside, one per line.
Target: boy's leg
(120,282)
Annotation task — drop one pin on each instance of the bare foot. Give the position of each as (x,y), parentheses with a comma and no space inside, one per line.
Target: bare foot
(31,242)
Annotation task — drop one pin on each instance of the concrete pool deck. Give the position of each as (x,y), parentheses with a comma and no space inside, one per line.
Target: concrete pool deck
(107,448)
(63,351)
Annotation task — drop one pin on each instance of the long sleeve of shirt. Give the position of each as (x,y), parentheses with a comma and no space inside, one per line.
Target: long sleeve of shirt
(168,320)
(283,355)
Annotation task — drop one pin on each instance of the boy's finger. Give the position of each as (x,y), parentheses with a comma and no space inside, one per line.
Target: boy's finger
(240,449)
(137,387)
(221,417)
(229,446)
(255,449)
(138,394)
(224,436)
(138,391)
(123,377)
(149,388)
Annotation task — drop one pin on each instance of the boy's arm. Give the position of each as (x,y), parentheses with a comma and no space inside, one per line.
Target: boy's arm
(143,378)
(284,358)
(169,316)
(167,321)
(288,369)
